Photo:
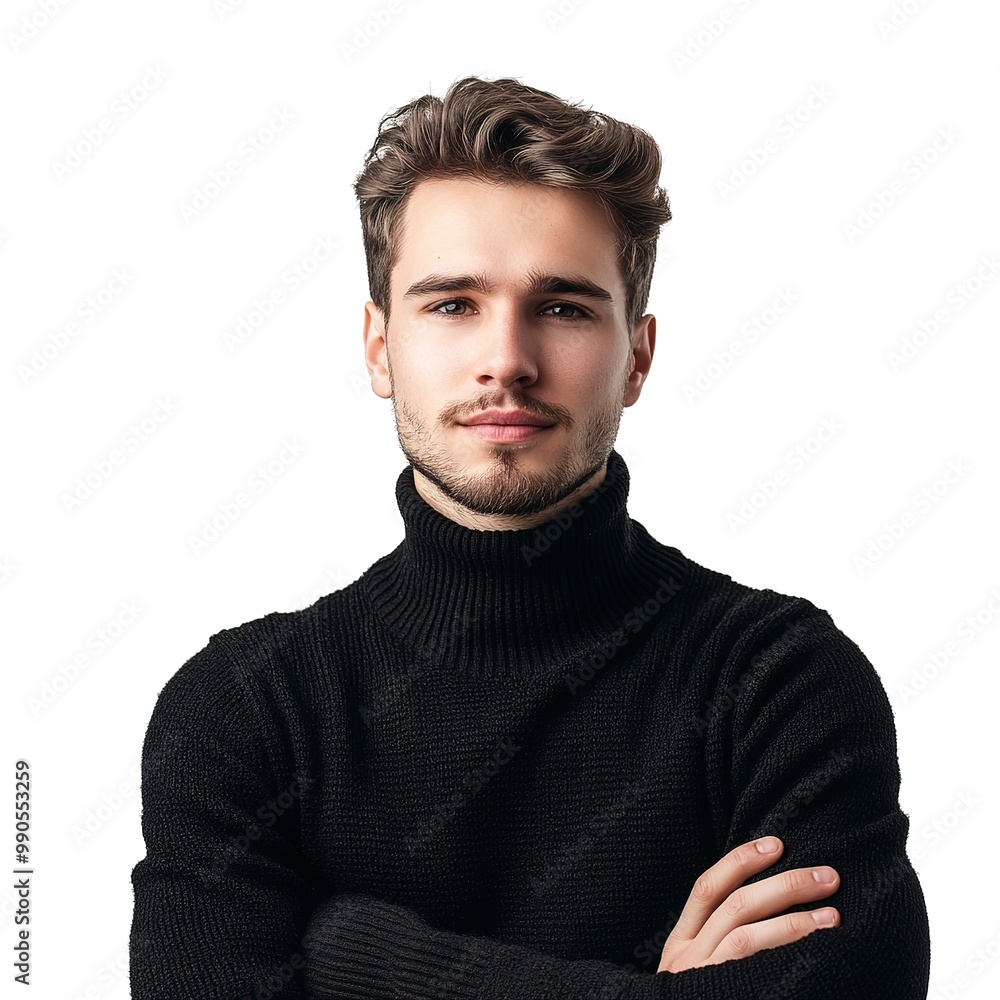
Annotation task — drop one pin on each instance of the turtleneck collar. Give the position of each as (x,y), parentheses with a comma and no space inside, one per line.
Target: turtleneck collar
(534,600)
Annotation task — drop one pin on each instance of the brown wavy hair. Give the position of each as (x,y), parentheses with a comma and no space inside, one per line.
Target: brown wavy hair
(503,130)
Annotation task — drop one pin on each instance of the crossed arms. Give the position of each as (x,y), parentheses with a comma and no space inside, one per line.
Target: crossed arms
(214,920)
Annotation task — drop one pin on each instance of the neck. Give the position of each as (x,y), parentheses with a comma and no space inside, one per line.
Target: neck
(517,602)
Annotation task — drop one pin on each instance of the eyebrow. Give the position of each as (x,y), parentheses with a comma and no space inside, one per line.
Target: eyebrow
(538,284)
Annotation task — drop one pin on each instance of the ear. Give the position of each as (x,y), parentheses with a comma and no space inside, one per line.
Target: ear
(375,350)
(643,344)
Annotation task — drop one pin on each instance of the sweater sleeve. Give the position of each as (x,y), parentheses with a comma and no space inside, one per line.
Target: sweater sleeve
(219,902)
(363,948)
(806,750)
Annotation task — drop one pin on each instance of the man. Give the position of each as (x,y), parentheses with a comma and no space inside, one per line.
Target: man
(532,752)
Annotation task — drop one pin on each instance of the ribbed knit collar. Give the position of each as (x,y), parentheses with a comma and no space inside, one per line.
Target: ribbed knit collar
(523,602)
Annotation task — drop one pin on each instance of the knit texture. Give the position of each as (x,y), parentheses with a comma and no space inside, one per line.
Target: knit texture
(494,766)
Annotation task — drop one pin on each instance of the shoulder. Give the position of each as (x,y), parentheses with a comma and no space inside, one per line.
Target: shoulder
(283,643)
(256,684)
(270,657)
(740,633)
(771,650)
(730,616)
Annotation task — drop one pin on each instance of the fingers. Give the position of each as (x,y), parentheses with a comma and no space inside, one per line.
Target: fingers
(751,938)
(717,882)
(723,918)
(766,898)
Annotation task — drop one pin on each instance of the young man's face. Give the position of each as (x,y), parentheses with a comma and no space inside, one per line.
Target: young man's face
(505,346)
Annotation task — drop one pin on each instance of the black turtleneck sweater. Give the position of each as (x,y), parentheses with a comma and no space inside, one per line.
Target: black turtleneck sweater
(493,767)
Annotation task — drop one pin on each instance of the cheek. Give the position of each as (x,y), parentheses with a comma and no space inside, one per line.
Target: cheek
(587,375)
(428,379)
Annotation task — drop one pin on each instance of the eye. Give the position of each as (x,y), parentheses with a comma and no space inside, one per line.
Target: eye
(578,311)
(450,302)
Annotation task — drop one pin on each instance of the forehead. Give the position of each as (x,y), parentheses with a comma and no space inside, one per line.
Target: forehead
(505,229)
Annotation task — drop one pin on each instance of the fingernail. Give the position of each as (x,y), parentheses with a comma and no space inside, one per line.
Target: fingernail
(826,875)
(825,918)
(768,845)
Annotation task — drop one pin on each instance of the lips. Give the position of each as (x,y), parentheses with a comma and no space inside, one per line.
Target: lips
(510,433)
(508,417)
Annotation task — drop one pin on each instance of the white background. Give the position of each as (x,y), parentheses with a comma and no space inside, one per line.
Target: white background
(888,92)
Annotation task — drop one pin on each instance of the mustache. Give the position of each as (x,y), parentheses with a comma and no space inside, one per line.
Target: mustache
(544,411)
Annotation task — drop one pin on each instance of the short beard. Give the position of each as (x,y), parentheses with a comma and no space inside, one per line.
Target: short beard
(504,489)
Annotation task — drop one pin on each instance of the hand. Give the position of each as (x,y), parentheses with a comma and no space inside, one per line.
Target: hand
(721,921)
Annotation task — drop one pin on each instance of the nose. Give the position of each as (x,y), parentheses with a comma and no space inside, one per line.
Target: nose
(505,351)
